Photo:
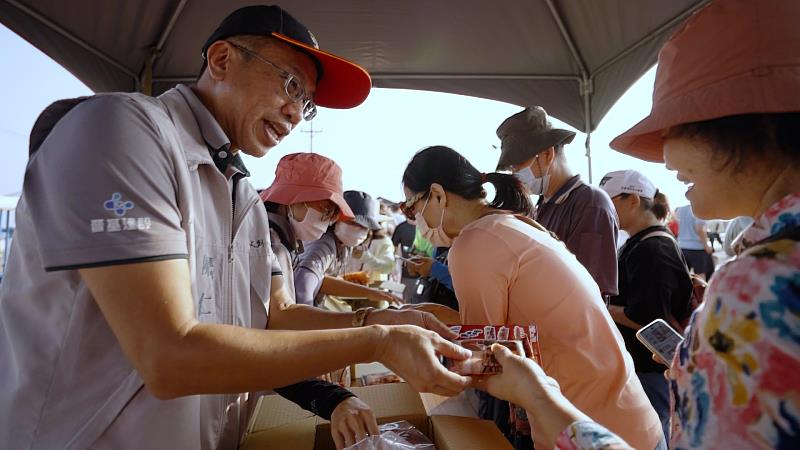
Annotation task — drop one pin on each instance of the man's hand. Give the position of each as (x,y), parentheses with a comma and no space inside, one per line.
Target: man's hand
(377,295)
(410,316)
(412,353)
(420,265)
(351,422)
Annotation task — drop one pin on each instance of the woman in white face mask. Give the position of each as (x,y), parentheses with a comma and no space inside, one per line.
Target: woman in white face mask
(303,202)
(507,269)
(319,269)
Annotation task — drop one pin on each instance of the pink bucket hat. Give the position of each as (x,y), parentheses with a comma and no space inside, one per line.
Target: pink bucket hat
(732,57)
(307,177)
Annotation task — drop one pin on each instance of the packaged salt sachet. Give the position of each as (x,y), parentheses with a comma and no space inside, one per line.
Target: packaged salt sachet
(521,340)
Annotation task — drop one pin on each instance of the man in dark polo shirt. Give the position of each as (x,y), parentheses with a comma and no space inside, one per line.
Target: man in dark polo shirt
(579,214)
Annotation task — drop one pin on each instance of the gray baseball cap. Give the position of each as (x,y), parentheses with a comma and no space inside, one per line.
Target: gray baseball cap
(365,209)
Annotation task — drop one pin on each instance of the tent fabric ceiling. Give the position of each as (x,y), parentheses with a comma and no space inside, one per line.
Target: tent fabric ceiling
(525,52)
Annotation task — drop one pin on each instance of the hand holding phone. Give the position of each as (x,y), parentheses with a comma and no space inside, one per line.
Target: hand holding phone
(661,339)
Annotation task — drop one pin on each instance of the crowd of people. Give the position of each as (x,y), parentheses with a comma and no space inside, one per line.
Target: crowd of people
(157,266)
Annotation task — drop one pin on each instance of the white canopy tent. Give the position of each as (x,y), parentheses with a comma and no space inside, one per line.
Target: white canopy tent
(573,57)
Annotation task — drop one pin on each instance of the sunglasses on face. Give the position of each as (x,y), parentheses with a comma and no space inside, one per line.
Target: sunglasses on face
(292,84)
(407,207)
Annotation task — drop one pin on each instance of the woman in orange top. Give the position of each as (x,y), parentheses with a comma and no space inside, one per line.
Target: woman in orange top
(507,269)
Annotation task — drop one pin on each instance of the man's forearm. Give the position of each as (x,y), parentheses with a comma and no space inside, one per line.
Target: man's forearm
(304,317)
(342,288)
(213,358)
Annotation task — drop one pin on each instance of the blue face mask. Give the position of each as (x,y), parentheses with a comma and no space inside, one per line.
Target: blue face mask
(537,185)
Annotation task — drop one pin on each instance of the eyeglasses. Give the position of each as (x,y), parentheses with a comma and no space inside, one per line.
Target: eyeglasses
(407,207)
(330,215)
(292,84)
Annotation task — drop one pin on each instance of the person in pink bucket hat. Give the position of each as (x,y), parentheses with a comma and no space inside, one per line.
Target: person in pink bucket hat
(307,194)
(726,118)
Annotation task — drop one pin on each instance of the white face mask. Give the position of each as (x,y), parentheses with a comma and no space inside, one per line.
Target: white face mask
(350,235)
(537,185)
(436,235)
(311,228)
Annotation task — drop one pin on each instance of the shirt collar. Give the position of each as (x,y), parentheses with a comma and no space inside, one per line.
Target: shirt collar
(219,146)
(228,163)
(564,191)
(209,127)
(781,215)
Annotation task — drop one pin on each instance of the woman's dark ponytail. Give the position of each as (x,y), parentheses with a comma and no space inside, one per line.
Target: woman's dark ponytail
(660,207)
(447,167)
(511,194)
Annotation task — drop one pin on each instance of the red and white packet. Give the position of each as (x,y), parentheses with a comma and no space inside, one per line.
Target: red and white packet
(525,336)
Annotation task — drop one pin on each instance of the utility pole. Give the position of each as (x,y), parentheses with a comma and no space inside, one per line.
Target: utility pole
(311,132)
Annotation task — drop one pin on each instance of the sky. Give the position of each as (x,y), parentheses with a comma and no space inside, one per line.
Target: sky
(372,143)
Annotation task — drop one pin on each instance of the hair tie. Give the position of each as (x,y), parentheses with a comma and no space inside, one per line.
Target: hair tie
(484,178)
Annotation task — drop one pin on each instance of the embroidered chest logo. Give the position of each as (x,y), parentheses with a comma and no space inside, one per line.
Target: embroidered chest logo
(120,208)
(117,205)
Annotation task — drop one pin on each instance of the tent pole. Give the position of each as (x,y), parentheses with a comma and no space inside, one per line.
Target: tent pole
(5,244)
(146,80)
(586,93)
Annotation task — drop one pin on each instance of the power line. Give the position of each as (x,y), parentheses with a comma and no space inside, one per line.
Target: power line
(311,132)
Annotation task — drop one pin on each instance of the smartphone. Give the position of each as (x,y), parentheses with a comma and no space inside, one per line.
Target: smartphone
(660,338)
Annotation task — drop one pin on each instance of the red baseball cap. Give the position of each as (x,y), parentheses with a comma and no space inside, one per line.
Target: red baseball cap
(307,177)
(341,84)
(730,58)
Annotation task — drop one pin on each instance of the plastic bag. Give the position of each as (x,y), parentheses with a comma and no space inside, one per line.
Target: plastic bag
(395,436)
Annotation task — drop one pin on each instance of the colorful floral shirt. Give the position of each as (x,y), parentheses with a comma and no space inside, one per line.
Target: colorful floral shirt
(588,435)
(735,380)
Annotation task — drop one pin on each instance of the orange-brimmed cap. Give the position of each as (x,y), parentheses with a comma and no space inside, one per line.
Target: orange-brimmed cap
(732,57)
(340,83)
(307,177)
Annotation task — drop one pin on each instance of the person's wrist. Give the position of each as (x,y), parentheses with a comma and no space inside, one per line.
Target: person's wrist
(380,317)
(360,317)
(378,336)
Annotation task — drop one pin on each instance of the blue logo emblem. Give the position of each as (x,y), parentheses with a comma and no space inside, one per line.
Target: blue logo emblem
(117,205)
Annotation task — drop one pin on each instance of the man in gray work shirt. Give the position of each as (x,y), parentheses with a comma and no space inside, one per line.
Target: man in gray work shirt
(135,309)
(579,214)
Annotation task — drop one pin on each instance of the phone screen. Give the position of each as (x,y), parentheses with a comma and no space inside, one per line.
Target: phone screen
(660,338)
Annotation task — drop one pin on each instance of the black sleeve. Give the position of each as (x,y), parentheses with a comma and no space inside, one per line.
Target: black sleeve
(396,236)
(316,396)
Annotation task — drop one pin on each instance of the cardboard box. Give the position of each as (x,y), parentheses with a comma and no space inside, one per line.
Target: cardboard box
(278,423)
